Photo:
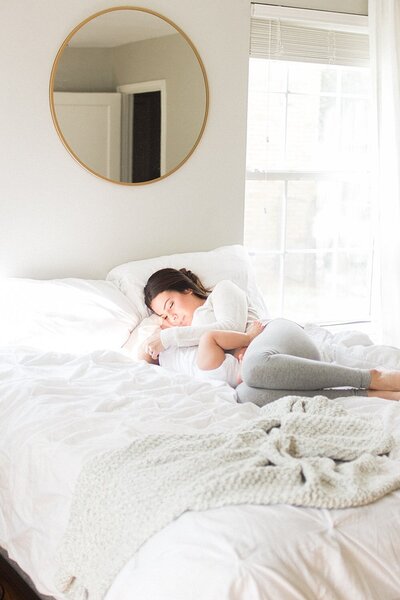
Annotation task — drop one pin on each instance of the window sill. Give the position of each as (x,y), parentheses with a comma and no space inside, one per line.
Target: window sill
(371,328)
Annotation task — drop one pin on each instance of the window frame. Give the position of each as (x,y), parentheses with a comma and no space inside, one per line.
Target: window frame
(346,22)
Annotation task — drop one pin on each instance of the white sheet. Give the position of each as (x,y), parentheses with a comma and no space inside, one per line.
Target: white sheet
(57,411)
(352,348)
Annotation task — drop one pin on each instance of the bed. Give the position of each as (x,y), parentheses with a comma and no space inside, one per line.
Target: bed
(71,389)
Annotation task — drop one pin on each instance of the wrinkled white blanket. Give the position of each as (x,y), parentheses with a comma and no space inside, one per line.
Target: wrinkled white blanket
(300,451)
(352,348)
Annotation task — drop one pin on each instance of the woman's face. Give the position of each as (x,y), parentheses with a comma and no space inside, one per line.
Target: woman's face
(176,308)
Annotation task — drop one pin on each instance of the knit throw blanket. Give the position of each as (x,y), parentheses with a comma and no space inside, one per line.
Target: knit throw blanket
(301,451)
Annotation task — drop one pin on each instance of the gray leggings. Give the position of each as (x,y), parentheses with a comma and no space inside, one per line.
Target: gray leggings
(283,360)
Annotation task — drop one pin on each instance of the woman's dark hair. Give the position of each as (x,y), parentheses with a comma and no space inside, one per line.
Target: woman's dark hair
(173,280)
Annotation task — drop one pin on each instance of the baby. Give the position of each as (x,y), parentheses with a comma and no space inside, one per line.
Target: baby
(213,345)
(218,355)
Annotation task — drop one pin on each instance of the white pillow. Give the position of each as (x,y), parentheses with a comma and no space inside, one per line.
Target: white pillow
(145,329)
(227,262)
(71,315)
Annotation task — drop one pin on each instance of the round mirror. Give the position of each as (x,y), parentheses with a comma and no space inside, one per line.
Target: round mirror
(129,95)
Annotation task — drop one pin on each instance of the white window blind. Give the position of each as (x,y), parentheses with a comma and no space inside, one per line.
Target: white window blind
(311,39)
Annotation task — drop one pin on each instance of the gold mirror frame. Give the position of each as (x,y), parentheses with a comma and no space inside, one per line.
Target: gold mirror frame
(53,108)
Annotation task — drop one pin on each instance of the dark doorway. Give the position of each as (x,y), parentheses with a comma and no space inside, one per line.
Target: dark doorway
(146,136)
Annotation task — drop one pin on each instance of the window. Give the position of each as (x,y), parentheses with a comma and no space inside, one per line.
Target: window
(308,209)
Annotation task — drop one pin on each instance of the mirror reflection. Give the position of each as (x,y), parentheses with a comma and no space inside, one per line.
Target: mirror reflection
(129,95)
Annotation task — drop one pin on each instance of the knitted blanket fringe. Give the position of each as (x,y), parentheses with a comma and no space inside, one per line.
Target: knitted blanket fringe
(301,451)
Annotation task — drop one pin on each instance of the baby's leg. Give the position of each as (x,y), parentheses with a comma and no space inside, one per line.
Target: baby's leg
(209,355)
(212,345)
(254,330)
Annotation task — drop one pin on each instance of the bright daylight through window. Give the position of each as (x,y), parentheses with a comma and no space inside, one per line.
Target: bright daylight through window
(308,211)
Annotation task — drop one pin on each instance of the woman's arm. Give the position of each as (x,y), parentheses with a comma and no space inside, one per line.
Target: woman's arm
(228,303)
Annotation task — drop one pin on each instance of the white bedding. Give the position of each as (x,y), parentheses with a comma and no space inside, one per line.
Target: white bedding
(58,411)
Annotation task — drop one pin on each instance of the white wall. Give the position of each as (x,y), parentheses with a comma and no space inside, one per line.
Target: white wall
(58,220)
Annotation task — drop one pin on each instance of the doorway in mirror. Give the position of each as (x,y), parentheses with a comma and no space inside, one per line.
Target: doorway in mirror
(143,130)
(146,143)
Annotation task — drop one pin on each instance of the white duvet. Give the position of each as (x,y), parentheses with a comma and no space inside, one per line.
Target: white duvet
(57,411)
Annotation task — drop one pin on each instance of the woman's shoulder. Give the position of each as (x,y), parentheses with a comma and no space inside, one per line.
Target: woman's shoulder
(227,288)
(225,284)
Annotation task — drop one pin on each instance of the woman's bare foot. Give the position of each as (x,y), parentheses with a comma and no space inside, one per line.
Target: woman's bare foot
(254,330)
(385,380)
(382,394)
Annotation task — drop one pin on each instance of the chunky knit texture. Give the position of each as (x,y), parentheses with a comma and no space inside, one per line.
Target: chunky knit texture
(301,451)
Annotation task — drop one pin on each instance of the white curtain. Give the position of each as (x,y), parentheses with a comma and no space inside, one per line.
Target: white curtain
(384,23)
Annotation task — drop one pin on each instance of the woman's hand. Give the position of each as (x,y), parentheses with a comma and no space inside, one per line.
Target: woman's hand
(153,345)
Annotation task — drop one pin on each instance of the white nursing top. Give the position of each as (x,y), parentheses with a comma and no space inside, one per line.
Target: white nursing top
(227,307)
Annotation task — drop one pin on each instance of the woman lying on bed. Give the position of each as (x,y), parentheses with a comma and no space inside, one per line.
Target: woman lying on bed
(208,326)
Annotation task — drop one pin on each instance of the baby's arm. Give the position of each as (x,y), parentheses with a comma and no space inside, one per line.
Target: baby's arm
(212,345)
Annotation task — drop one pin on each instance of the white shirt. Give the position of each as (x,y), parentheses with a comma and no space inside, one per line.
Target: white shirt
(227,308)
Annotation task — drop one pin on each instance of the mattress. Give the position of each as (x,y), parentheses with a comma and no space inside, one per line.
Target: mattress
(58,410)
